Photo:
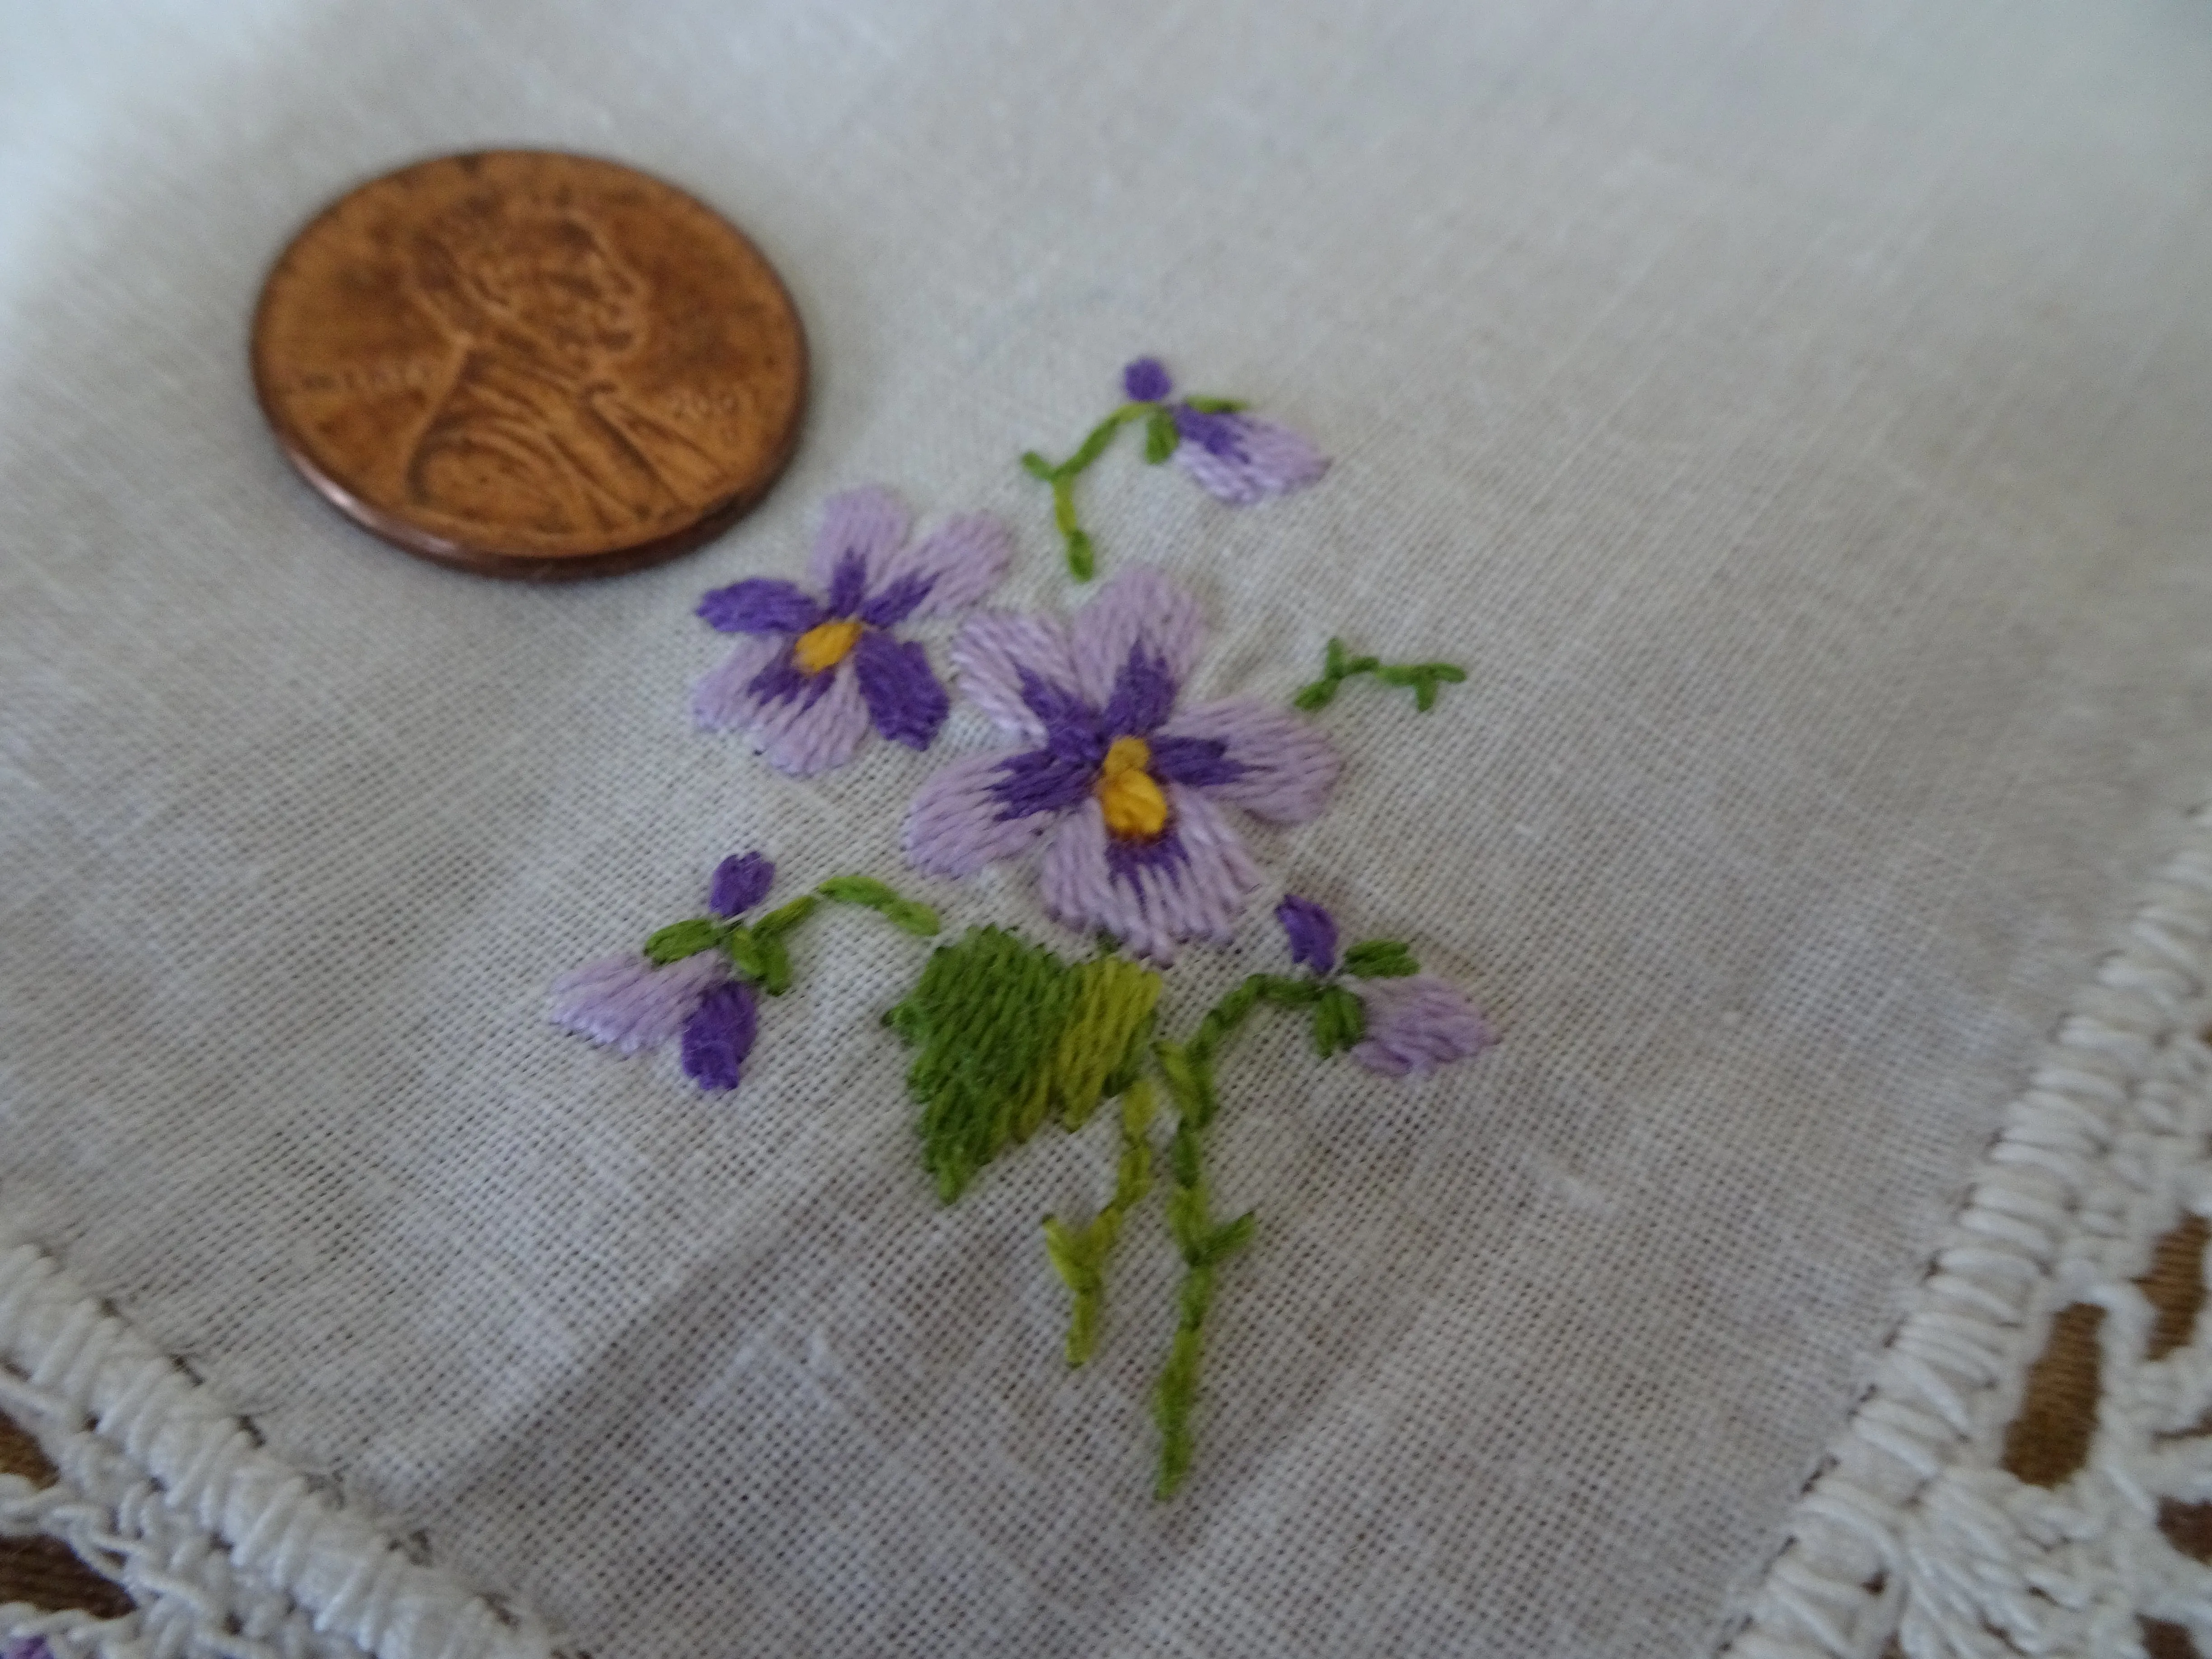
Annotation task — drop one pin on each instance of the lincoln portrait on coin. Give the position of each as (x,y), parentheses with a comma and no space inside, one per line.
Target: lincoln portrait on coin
(535,428)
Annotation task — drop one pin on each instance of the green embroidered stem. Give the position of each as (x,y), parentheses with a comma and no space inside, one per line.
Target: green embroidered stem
(1160,440)
(906,913)
(1423,676)
(1188,1068)
(1078,1254)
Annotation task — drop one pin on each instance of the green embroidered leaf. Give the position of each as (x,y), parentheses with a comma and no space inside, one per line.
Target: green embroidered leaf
(1160,436)
(1082,557)
(775,963)
(1380,959)
(1104,1034)
(986,1013)
(1218,405)
(1339,1021)
(745,951)
(778,922)
(1226,1240)
(683,938)
(1287,993)
(1035,465)
(1072,1256)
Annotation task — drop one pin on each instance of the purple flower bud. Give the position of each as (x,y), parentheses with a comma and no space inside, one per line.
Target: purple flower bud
(1146,380)
(1312,933)
(1417,1023)
(720,1034)
(626,1001)
(740,884)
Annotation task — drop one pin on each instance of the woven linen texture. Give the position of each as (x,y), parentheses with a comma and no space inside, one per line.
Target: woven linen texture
(1794,421)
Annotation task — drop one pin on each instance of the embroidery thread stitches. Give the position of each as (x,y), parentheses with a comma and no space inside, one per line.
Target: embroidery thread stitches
(1128,791)
(815,671)
(1234,457)
(695,980)
(1340,666)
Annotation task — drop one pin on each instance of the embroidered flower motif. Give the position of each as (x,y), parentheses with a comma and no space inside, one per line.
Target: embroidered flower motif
(1234,457)
(681,986)
(817,668)
(1406,1021)
(1417,1024)
(1131,792)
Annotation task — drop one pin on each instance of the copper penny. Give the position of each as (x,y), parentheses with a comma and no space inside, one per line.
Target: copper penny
(531,365)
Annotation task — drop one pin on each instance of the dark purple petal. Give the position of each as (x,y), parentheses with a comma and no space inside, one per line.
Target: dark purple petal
(850,586)
(739,884)
(718,1036)
(903,697)
(1312,933)
(1048,779)
(1221,434)
(896,603)
(783,679)
(1146,380)
(1143,695)
(1128,856)
(1056,706)
(1201,761)
(759,606)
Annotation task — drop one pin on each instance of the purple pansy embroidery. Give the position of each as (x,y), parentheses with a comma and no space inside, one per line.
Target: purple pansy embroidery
(698,979)
(682,985)
(1235,457)
(1129,792)
(817,669)
(1406,1021)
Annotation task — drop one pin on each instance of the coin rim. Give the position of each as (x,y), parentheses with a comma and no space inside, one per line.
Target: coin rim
(485,558)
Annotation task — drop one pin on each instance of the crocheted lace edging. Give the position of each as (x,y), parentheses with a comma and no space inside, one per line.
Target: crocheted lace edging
(226,1550)
(1911,1530)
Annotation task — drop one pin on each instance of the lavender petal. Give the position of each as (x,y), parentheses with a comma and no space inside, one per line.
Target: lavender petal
(724,699)
(739,884)
(1000,655)
(1143,695)
(1049,779)
(903,697)
(1241,459)
(868,524)
(819,728)
(760,606)
(720,1034)
(1146,382)
(945,573)
(1284,767)
(1189,884)
(1139,610)
(1312,933)
(1417,1022)
(957,823)
(630,1003)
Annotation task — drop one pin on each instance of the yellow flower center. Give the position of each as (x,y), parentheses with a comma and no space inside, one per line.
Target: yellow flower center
(825,645)
(1135,807)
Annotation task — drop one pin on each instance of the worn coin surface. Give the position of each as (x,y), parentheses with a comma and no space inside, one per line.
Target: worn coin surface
(531,365)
